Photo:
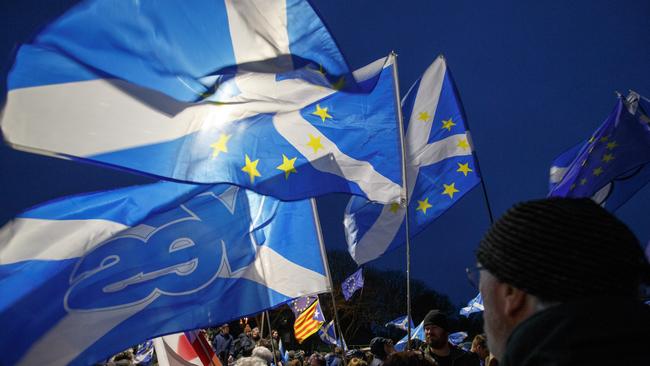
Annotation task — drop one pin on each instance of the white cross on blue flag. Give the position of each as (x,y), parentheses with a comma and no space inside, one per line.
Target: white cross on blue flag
(253,93)
(440,168)
(85,277)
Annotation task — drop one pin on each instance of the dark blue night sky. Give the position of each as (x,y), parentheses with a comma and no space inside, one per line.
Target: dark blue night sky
(534,77)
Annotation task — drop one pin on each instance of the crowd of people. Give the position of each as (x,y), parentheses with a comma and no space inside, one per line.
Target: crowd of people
(250,349)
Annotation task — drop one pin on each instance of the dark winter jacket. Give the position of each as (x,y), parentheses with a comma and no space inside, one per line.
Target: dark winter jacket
(456,357)
(601,331)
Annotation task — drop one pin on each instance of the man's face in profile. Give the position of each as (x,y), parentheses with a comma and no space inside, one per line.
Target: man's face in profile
(493,315)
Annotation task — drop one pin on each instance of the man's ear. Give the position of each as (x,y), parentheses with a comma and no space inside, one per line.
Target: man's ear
(515,300)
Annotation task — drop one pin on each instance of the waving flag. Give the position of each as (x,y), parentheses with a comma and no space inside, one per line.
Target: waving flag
(328,335)
(144,354)
(457,338)
(203,348)
(253,93)
(417,333)
(440,169)
(351,284)
(613,164)
(402,323)
(85,277)
(475,305)
(176,350)
(308,321)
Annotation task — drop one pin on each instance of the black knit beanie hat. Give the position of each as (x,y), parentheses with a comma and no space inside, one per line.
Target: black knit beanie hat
(435,317)
(560,249)
(377,347)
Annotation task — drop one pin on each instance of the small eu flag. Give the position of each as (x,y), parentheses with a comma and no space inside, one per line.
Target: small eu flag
(352,284)
(613,164)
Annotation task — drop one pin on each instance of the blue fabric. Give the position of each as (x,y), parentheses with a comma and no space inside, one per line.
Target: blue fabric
(353,283)
(172,56)
(165,46)
(401,323)
(328,335)
(612,166)
(363,126)
(430,183)
(475,305)
(162,269)
(417,333)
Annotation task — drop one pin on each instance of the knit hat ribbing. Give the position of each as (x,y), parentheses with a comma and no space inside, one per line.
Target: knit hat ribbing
(560,249)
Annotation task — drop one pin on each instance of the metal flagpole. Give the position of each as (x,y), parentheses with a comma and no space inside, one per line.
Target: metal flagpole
(268,320)
(262,325)
(405,200)
(337,324)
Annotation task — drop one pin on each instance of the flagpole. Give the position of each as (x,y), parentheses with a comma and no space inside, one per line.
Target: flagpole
(319,232)
(405,199)
(268,320)
(474,154)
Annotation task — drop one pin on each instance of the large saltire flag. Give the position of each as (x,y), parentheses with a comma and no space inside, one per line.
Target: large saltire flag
(253,93)
(440,168)
(85,277)
(309,317)
(613,164)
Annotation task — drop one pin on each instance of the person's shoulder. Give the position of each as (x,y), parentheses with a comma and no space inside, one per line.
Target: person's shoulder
(463,357)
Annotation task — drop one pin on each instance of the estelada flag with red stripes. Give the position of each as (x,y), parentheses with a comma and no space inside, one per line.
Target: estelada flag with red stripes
(202,348)
(309,320)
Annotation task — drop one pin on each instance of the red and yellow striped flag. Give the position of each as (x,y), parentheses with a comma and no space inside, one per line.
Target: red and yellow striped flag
(308,322)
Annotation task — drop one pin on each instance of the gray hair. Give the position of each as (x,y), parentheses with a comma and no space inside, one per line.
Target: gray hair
(251,361)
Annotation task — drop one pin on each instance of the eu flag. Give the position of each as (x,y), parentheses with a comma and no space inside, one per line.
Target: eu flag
(85,277)
(351,284)
(613,164)
(252,93)
(440,168)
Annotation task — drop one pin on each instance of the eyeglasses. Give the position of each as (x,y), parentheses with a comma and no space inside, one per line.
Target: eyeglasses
(474,274)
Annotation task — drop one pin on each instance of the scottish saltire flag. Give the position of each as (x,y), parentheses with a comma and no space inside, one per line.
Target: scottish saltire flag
(417,333)
(474,305)
(440,168)
(402,323)
(327,334)
(351,284)
(308,321)
(87,276)
(457,338)
(253,93)
(144,354)
(613,164)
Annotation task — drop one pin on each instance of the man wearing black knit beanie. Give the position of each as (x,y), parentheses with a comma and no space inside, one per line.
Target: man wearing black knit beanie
(560,281)
(437,346)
